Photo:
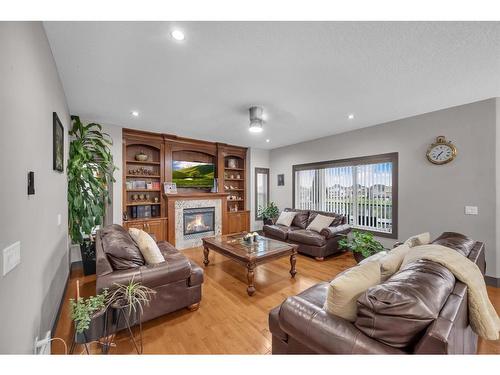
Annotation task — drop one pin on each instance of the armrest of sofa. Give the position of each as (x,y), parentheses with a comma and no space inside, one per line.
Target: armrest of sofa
(339,230)
(325,333)
(119,277)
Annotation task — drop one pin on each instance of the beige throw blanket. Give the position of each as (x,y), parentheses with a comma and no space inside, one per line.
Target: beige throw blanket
(482,315)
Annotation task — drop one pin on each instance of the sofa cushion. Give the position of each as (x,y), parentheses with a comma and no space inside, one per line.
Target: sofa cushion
(456,241)
(121,250)
(308,237)
(337,218)
(278,231)
(320,222)
(398,311)
(345,289)
(301,218)
(147,245)
(286,218)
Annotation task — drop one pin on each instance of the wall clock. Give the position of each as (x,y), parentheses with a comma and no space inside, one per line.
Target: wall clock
(441,151)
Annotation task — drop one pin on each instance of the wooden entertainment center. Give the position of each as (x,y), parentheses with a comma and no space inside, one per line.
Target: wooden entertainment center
(146,206)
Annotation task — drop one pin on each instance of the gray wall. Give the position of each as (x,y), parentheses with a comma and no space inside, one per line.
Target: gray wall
(431,198)
(30,90)
(258,158)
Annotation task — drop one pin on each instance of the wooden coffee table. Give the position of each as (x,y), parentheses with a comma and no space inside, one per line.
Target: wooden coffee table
(250,255)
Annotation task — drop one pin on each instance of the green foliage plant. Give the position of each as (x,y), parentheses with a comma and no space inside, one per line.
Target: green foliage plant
(90,172)
(83,309)
(133,296)
(270,212)
(361,242)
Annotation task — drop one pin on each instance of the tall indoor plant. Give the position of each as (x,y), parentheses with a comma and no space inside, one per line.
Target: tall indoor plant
(90,172)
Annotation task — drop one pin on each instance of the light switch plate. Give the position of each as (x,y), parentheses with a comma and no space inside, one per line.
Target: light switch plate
(11,257)
(471,210)
(58,219)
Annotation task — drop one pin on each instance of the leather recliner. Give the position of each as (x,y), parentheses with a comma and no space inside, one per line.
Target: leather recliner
(177,281)
(421,309)
(318,245)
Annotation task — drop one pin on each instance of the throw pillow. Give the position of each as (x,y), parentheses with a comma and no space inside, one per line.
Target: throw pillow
(320,222)
(148,247)
(286,218)
(345,289)
(419,240)
(375,257)
(390,264)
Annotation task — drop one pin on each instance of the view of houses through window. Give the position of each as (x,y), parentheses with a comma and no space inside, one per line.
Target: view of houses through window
(362,190)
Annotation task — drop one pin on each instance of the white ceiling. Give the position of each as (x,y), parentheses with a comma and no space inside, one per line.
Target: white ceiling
(308,75)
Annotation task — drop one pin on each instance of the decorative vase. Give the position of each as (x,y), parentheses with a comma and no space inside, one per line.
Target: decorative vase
(141,156)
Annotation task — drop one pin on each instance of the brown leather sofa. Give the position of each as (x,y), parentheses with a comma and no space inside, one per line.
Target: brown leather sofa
(421,309)
(318,245)
(177,281)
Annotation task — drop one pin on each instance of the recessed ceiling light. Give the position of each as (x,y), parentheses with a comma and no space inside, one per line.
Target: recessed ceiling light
(268,140)
(350,117)
(134,113)
(178,35)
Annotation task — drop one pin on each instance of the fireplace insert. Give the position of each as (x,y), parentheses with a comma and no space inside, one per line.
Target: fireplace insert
(199,220)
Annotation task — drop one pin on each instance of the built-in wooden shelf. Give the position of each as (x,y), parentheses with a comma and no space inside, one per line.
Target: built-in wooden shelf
(235,189)
(234,179)
(143,176)
(143,162)
(144,204)
(235,200)
(144,218)
(234,169)
(143,190)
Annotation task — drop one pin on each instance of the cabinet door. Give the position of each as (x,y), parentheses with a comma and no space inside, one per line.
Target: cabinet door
(234,222)
(155,227)
(135,224)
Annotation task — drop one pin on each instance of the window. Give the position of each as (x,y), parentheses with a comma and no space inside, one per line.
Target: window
(363,189)
(261,190)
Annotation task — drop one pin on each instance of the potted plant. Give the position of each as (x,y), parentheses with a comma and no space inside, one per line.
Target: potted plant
(132,297)
(90,172)
(90,317)
(269,214)
(362,245)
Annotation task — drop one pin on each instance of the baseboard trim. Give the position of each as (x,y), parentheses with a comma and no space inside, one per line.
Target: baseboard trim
(492,281)
(73,265)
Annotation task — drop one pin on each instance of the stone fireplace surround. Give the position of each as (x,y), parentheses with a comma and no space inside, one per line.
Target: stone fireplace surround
(176,206)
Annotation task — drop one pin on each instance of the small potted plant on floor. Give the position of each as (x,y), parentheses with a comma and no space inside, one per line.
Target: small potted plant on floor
(269,214)
(362,245)
(90,318)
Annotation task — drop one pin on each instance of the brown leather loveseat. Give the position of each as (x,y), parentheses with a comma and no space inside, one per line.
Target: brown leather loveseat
(421,309)
(318,245)
(177,281)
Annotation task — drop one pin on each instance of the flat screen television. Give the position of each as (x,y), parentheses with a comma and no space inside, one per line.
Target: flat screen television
(193,174)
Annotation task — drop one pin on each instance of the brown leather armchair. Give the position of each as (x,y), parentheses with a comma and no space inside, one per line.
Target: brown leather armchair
(177,281)
(436,322)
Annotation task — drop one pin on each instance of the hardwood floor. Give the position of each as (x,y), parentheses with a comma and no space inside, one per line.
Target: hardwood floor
(228,320)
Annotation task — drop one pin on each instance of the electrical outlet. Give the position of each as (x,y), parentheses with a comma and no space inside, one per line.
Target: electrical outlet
(11,257)
(471,210)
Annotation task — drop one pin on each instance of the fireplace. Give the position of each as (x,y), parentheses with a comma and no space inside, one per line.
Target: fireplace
(198,220)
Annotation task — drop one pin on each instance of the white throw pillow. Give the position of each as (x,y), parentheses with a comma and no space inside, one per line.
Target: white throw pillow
(320,222)
(419,240)
(391,263)
(148,247)
(344,290)
(286,218)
